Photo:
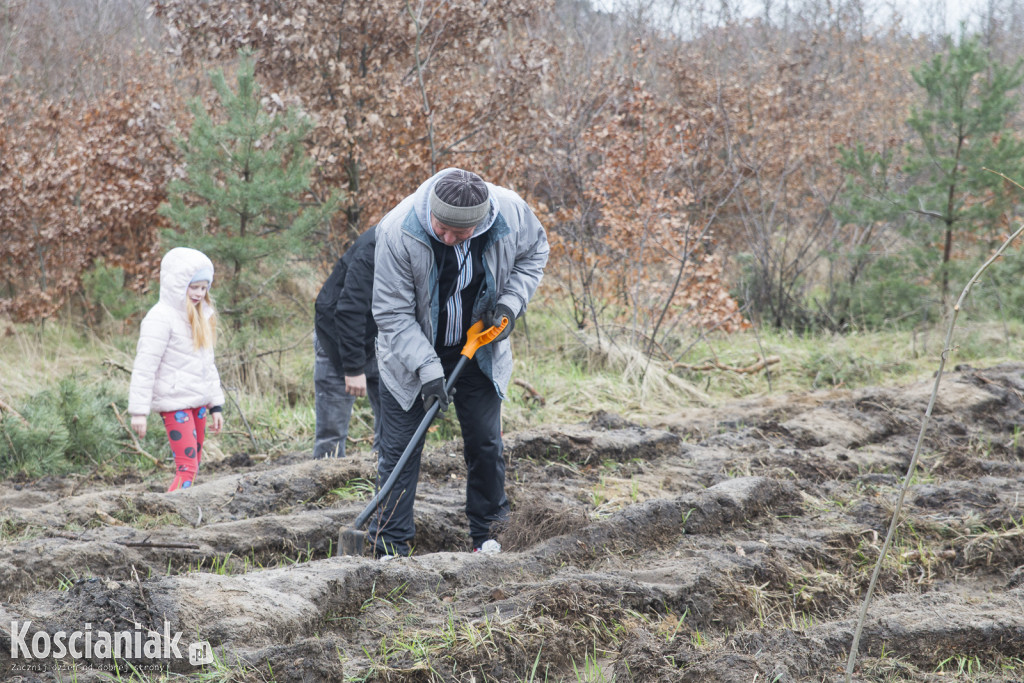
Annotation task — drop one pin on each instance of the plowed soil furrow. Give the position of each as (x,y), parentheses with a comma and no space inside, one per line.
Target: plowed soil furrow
(727,545)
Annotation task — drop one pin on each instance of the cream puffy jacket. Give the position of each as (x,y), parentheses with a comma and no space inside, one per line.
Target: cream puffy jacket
(169,373)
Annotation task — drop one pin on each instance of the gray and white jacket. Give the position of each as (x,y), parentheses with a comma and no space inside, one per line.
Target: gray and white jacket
(406,300)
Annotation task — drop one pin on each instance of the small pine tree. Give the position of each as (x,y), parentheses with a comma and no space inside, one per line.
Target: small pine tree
(944,198)
(37,445)
(61,429)
(240,201)
(963,133)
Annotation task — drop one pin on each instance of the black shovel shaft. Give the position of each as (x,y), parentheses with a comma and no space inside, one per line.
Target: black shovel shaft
(400,465)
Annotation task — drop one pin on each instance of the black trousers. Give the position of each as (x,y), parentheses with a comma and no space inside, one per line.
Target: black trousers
(478,408)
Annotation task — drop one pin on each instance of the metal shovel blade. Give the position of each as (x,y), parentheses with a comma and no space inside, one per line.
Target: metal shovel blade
(352,541)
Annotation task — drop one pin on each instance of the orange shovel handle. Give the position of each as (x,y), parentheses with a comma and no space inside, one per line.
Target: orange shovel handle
(477,336)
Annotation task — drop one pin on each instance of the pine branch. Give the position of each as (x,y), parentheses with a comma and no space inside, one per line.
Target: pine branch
(12,411)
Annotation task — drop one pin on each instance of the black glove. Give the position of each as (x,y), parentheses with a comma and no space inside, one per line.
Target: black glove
(434,391)
(494,320)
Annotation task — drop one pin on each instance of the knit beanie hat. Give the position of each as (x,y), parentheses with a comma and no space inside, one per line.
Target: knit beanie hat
(460,199)
(204,273)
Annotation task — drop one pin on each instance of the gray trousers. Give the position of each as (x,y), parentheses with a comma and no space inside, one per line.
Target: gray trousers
(333,404)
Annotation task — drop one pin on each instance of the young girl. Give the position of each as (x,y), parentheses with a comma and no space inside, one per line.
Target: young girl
(174,372)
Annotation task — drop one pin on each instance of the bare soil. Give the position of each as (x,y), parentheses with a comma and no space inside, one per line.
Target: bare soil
(730,544)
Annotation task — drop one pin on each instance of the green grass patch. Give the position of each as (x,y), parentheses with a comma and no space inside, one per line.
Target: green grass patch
(62,383)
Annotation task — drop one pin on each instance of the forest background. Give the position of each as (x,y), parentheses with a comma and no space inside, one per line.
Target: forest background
(713,176)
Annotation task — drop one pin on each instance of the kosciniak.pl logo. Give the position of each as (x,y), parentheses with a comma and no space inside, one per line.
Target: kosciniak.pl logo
(137,643)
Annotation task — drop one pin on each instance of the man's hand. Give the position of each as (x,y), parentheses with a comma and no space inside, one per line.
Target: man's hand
(216,422)
(139,425)
(494,320)
(434,391)
(355,385)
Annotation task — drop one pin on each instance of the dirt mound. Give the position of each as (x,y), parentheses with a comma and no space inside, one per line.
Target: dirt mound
(732,544)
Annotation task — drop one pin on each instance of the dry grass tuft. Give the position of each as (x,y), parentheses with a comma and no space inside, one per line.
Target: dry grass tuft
(536,520)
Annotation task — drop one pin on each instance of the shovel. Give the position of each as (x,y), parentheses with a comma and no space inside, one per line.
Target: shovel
(353,539)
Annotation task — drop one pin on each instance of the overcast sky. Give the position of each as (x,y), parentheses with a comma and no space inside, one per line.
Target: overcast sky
(931,15)
(919,15)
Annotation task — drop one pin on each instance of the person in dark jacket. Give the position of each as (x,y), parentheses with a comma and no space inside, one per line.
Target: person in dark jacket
(346,364)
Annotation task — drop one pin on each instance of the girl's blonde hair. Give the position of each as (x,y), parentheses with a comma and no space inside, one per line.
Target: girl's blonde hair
(204,328)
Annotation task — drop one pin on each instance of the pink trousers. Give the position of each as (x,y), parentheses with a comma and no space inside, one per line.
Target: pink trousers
(186,430)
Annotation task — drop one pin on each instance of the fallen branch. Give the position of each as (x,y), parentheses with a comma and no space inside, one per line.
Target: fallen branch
(145,543)
(534,394)
(149,544)
(138,447)
(715,365)
(82,480)
(138,582)
(107,518)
